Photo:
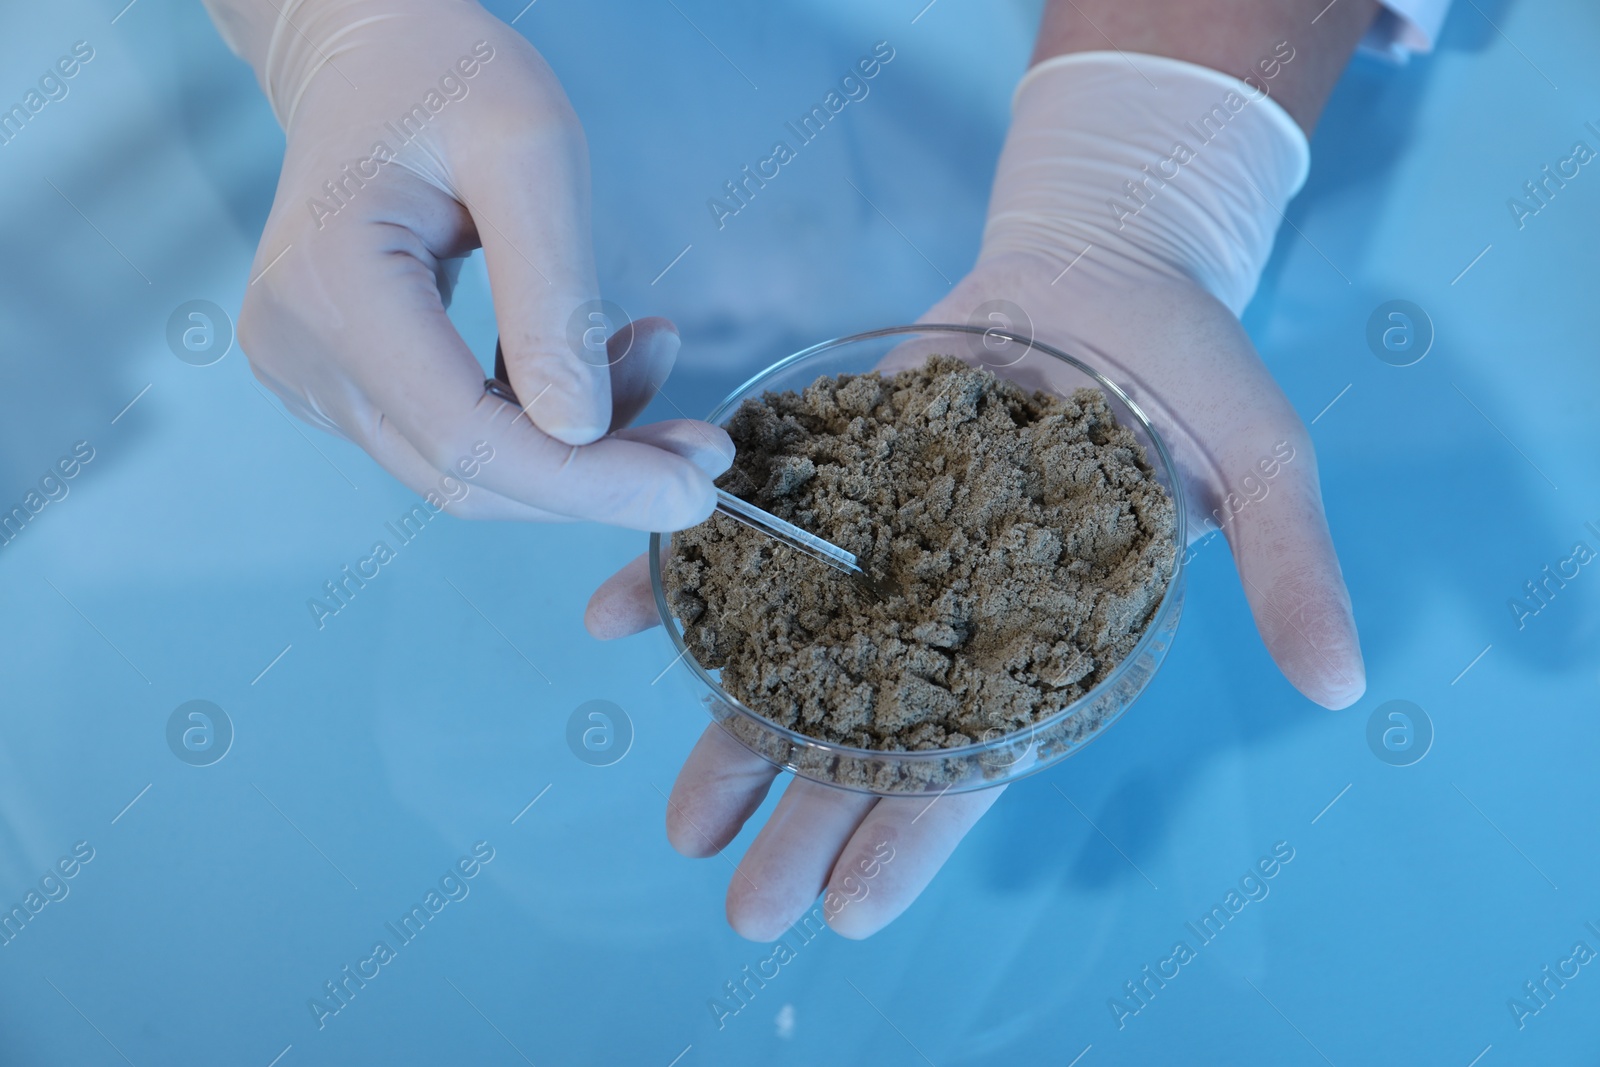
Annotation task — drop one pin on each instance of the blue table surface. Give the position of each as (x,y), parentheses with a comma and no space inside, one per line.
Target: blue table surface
(369,756)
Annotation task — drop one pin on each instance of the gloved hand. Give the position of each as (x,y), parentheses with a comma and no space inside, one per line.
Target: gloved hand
(1152,305)
(417,131)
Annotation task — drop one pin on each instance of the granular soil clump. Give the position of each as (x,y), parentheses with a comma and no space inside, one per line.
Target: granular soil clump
(1029,539)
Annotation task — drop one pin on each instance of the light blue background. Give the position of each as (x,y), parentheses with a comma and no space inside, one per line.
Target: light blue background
(410,728)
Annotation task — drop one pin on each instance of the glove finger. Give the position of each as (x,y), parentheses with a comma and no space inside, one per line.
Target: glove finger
(792,857)
(462,496)
(706,446)
(645,352)
(721,785)
(536,244)
(624,604)
(894,854)
(431,387)
(452,491)
(638,374)
(1286,560)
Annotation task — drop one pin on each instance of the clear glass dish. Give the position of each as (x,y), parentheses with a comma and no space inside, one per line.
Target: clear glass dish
(995,760)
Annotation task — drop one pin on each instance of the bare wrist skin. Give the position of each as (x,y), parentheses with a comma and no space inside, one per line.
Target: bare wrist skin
(1231,36)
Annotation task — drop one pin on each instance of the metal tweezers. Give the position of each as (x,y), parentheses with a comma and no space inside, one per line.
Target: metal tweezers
(763,521)
(802,541)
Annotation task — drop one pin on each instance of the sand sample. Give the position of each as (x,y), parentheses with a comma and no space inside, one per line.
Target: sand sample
(1029,538)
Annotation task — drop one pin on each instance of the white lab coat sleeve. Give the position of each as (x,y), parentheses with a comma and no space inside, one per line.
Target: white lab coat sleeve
(1403,27)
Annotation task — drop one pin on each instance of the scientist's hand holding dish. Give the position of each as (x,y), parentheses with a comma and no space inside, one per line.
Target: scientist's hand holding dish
(1136,255)
(418,130)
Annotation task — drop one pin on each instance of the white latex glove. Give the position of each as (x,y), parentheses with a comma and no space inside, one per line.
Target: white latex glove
(1152,305)
(417,131)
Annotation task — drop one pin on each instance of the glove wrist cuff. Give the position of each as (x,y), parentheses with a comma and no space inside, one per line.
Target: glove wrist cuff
(306,36)
(1148,162)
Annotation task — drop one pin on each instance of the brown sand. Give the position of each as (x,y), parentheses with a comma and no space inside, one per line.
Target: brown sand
(1030,541)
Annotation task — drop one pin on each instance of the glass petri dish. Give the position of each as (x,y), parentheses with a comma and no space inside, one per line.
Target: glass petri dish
(994,760)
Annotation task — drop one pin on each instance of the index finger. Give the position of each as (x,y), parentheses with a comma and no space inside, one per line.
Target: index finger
(528,195)
(431,387)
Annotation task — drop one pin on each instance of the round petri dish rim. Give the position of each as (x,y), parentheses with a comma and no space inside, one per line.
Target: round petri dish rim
(1170,596)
